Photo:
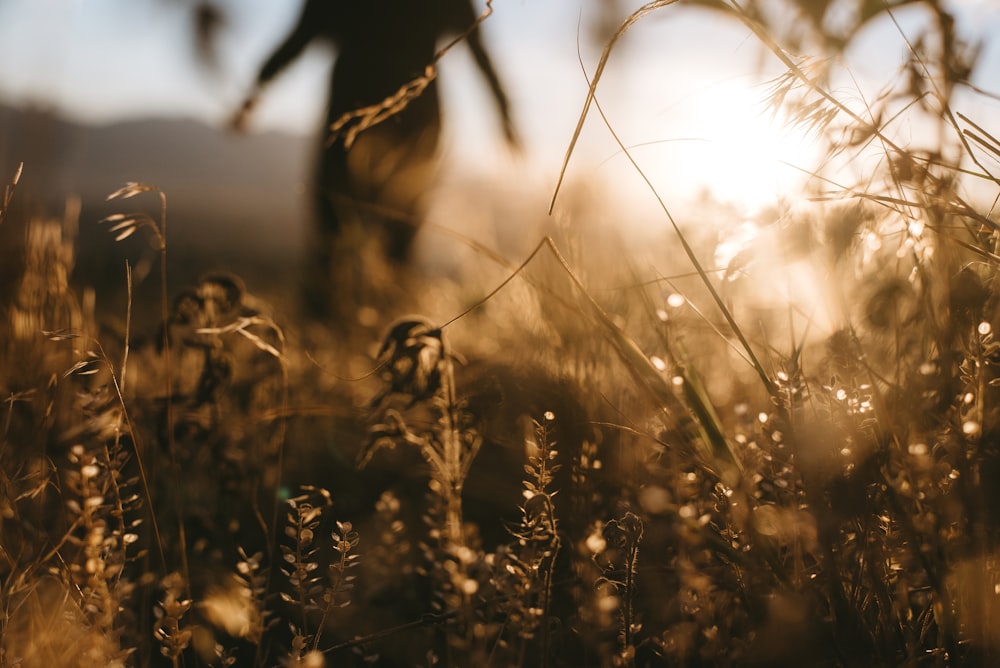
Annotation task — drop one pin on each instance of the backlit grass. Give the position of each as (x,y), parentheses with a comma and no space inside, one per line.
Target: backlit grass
(790,459)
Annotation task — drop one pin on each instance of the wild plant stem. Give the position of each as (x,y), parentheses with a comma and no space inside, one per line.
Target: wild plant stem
(169,390)
(454,467)
(137,448)
(547,580)
(627,611)
(328,606)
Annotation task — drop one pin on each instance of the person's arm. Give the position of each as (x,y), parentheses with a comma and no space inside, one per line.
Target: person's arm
(304,31)
(485,66)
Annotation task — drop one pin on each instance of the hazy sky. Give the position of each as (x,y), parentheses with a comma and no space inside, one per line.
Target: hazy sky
(105,59)
(684,87)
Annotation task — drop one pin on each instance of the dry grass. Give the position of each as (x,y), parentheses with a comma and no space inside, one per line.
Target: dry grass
(666,473)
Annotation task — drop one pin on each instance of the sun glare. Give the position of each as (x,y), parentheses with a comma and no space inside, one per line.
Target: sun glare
(725,141)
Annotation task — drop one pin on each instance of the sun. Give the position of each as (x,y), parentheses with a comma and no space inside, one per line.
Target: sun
(725,141)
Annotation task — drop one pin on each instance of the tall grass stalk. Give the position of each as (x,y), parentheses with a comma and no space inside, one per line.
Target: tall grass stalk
(8,192)
(124,226)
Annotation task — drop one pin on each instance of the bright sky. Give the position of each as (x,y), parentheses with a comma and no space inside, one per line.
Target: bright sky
(683,90)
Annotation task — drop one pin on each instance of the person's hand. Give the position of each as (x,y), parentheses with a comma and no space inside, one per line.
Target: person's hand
(241,118)
(510,135)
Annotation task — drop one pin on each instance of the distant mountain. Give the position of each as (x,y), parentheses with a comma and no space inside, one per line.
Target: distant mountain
(233,201)
(207,171)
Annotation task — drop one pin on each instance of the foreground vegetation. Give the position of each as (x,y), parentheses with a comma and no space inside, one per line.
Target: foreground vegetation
(668,473)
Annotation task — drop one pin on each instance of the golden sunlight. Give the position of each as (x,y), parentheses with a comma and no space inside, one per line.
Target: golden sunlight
(727,142)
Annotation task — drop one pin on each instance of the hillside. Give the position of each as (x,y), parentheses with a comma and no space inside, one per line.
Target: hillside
(234,201)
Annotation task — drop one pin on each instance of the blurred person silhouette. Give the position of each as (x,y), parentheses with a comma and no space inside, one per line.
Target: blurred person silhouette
(374,170)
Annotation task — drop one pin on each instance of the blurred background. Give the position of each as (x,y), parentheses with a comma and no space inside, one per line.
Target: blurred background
(94,93)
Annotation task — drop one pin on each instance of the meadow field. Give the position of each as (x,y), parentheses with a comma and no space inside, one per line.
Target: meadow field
(766,438)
